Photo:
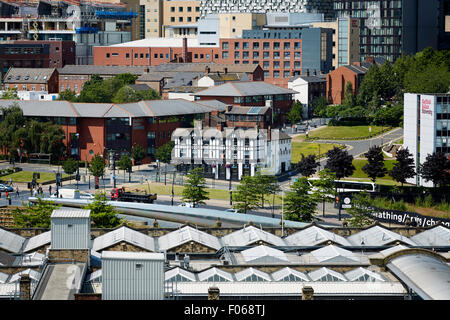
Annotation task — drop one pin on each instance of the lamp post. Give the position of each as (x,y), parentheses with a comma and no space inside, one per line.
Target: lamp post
(282,213)
(228,166)
(173,181)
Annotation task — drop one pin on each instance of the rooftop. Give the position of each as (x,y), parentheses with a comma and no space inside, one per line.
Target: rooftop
(163,42)
(28,75)
(244,89)
(101,70)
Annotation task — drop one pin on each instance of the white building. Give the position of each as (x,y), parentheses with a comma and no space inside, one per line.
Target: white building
(232,152)
(426,127)
(309,88)
(35,95)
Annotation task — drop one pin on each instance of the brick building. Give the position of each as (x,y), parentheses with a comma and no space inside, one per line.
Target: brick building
(31,79)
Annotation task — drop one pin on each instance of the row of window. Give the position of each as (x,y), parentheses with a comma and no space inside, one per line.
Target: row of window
(188,9)
(76,78)
(250,99)
(236,118)
(24,87)
(181,19)
(266,54)
(265,46)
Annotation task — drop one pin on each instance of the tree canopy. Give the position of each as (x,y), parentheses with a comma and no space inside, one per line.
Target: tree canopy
(375,163)
(307,166)
(298,204)
(194,190)
(404,168)
(436,168)
(164,152)
(34,215)
(246,197)
(102,214)
(340,162)
(295,114)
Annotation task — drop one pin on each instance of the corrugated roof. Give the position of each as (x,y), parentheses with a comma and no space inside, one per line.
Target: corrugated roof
(327,275)
(288,273)
(263,254)
(132,255)
(126,234)
(9,290)
(10,241)
(428,276)
(249,273)
(28,75)
(37,241)
(3,277)
(71,213)
(334,254)
(172,273)
(250,235)
(101,70)
(437,236)
(6,259)
(205,275)
(186,234)
(377,236)
(244,89)
(362,274)
(313,236)
(32,259)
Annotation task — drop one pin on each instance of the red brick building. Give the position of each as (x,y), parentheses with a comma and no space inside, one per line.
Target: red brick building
(31,79)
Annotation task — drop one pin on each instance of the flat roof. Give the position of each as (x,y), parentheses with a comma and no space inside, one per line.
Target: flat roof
(163,42)
(132,255)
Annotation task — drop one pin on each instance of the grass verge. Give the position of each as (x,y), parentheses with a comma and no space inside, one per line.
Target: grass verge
(346,132)
(27,176)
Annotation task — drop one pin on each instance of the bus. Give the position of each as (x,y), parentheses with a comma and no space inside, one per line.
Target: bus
(351,186)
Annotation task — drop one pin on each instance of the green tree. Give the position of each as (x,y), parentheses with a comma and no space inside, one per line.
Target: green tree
(246,197)
(70,166)
(52,140)
(426,79)
(149,94)
(126,94)
(307,166)
(299,205)
(124,164)
(349,96)
(436,168)
(404,168)
(164,152)
(370,86)
(320,106)
(68,95)
(324,188)
(34,215)
(264,185)
(13,120)
(102,214)
(194,190)
(389,115)
(295,114)
(97,167)
(375,163)
(389,82)
(340,162)
(10,94)
(360,210)
(137,153)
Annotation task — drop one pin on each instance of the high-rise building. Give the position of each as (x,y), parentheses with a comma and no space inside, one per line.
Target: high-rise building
(389,28)
(179,13)
(152,16)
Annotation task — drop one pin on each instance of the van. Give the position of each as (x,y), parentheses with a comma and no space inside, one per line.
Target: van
(70,194)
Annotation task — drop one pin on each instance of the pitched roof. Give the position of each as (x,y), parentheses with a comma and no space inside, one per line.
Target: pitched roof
(71,213)
(334,254)
(264,254)
(314,235)
(310,79)
(28,75)
(250,235)
(244,89)
(220,76)
(37,241)
(248,110)
(42,108)
(377,236)
(125,234)
(186,234)
(286,273)
(206,274)
(101,70)
(437,236)
(10,242)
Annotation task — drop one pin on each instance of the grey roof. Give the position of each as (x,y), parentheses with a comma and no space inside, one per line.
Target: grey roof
(310,79)
(92,110)
(184,89)
(171,107)
(6,259)
(334,254)
(126,234)
(437,236)
(231,76)
(10,242)
(182,79)
(250,235)
(215,104)
(263,254)
(246,110)
(357,69)
(186,234)
(155,76)
(43,108)
(244,89)
(132,255)
(71,213)
(378,236)
(28,75)
(37,241)
(101,70)
(428,276)
(201,67)
(315,236)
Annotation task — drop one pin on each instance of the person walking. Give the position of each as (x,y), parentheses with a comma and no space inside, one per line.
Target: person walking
(17,192)
(50,189)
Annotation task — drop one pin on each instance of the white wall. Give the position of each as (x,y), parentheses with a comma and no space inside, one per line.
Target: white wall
(181,95)
(427,129)
(410,123)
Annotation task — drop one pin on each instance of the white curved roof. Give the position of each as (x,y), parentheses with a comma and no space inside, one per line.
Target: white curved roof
(205,275)
(37,241)
(250,235)
(10,242)
(315,236)
(325,274)
(124,234)
(186,234)
(428,276)
(361,274)
(378,236)
(264,254)
(249,272)
(179,271)
(281,274)
(334,254)
(437,236)
(3,277)
(35,275)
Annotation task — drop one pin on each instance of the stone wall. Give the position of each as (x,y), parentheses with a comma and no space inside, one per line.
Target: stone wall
(60,255)
(125,246)
(191,247)
(88,296)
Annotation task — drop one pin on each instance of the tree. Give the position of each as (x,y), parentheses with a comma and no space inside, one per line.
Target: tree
(295,114)
(164,152)
(126,94)
(194,190)
(70,166)
(308,165)
(404,167)
(340,162)
(360,210)
(349,96)
(389,115)
(375,163)
(34,215)
(324,188)
(67,95)
(102,214)
(436,168)
(97,168)
(320,106)
(149,94)
(264,185)
(430,78)
(370,86)
(52,140)
(124,164)
(137,153)
(13,120)
(246,197)
(299,205)
(10,94)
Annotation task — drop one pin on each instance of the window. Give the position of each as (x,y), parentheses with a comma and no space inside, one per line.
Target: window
(224,54)
(135,55)
(266,74)
(276,55)
(255,45)
(141,56)
(297,65)
(189,9)
(287,55)
(180,9)
(276,74)
(197,9)
(245,54)
(127,55)
(287,65)
(286,74)
(276,64)
(156,56)
(172,19)
(266,46)
(236,45)
(161,55)
(266,64)
(255,55)
(107,56)
(172,9)
(266,55)
(224,45)
(189,19)
(276,46)
(180,19)
(196,56)
(236,54)
(287,46)
(245,45)
(297,55)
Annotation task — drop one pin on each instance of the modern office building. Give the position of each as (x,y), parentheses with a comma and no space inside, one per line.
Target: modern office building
(179,13)
(394,27)
(427,128)
(309,88)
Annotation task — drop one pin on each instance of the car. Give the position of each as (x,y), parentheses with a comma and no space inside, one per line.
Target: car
(188,205)
(86,195)
(4,188)
(234,210)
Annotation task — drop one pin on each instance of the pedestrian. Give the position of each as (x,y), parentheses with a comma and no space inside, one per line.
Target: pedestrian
(6,194)
(17,192)
(50,189)
(10,181)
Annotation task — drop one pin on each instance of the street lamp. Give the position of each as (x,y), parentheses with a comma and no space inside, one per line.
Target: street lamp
(228,166)
(282,213)
(173,181)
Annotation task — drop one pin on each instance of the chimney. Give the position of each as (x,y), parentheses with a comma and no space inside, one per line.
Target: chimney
(307,293)
(25,285)
(225,70)
(213,293)
(184,50)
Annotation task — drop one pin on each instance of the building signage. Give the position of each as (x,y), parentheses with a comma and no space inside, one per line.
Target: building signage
(426,106)
(403,217)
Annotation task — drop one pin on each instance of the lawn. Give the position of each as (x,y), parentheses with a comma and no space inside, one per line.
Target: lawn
(27,176)
(361,176)
(346,132)
(307,148)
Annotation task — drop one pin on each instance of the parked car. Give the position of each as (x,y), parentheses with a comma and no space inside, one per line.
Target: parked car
(188,205)
(4,188)
(234,210)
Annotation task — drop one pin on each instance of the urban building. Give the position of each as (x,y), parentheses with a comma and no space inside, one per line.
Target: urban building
(36,54)
(427,128)
(87,23)
(254,94)
(73,77)
(309,88)
(179,13)
(151,18)
(99,128)
(31,79)
(391,28)
(230,153)
(444,25)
